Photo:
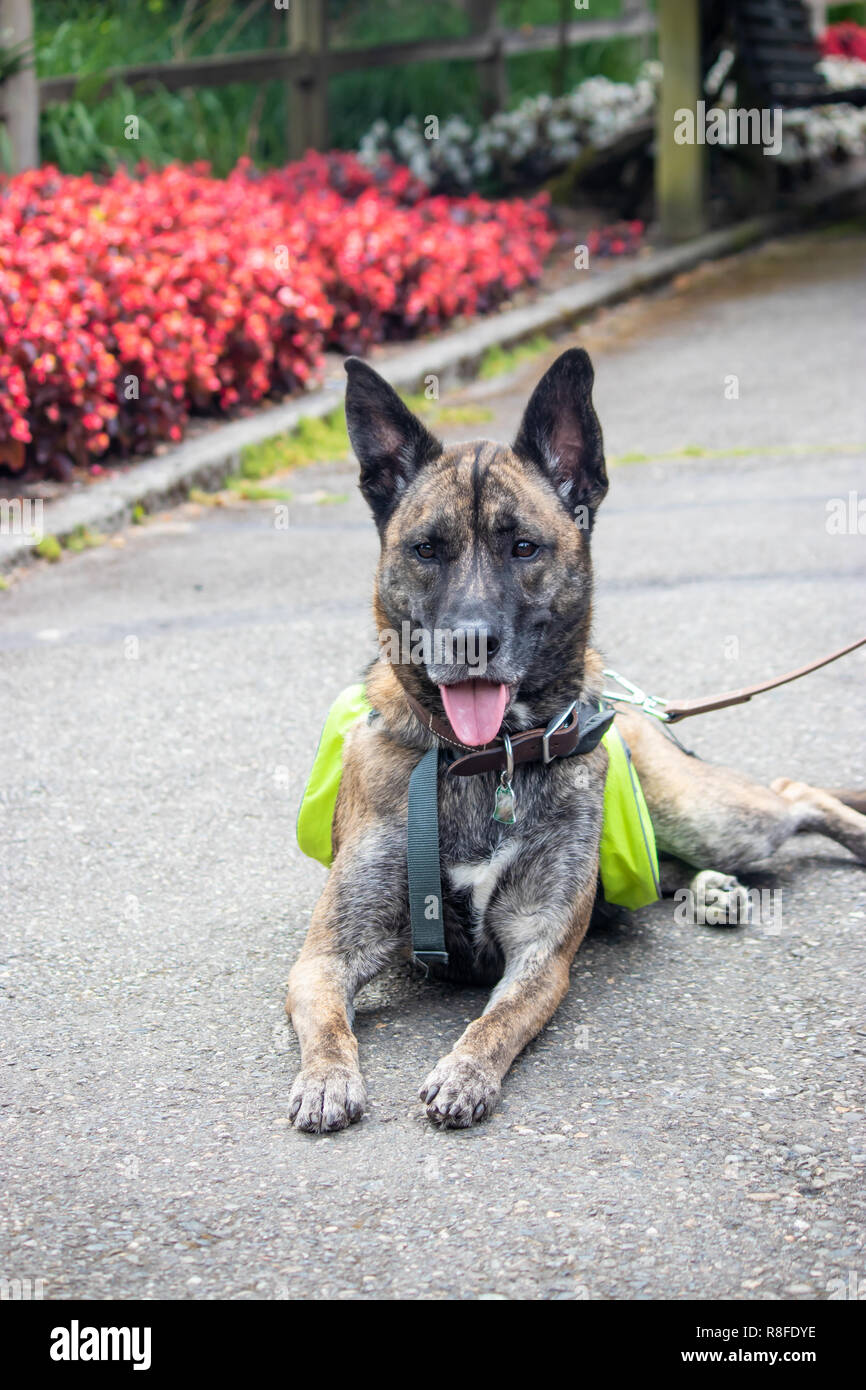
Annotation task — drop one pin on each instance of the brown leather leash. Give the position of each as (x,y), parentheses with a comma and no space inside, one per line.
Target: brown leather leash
(671,711)
(581,726)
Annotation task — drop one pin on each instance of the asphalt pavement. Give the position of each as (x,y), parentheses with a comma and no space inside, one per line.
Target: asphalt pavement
(691,1122)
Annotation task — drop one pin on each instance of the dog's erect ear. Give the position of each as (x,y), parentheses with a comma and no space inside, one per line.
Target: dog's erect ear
(560,433)
(390,443)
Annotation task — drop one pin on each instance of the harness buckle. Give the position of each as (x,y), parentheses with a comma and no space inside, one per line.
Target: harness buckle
(650,704)
(556,723)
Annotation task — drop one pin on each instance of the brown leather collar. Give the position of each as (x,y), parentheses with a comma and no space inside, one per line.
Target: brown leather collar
(578,729)
(440,727)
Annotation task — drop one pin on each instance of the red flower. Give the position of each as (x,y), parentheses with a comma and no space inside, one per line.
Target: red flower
(129,302)
(845,40)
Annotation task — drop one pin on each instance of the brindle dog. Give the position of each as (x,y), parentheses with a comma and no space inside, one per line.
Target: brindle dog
(495,541)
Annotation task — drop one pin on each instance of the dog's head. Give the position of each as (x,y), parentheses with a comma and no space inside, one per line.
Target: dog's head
(485,548)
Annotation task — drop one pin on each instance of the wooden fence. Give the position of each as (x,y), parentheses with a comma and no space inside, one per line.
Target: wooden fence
(306,63)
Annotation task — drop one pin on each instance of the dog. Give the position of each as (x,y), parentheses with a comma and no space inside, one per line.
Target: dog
(494,541)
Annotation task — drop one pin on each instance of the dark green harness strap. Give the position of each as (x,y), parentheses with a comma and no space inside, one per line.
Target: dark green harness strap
(425,882)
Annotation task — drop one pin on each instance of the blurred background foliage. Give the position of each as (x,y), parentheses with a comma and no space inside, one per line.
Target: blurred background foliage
(221,124)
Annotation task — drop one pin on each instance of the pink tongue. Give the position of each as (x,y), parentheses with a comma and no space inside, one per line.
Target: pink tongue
(475,709)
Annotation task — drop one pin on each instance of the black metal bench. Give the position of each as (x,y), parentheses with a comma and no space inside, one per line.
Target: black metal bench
(765,51)
(775,53)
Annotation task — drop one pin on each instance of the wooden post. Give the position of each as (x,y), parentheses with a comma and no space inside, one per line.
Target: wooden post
(819,15)
(560,63)
(492,72)
(19,94)
(679,173)
(308,92)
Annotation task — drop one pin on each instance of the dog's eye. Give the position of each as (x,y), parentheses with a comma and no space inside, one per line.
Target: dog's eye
(524,550)
(425,551)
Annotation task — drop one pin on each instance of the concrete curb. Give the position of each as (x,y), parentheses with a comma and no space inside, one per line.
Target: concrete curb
(207,461)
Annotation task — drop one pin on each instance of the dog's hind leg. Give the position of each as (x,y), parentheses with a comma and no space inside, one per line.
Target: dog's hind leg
(849,797)
(712,817)
(715,899)
(825,814)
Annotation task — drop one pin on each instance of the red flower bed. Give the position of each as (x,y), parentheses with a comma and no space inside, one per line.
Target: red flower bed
(845,40)
(618,239)
(128,303)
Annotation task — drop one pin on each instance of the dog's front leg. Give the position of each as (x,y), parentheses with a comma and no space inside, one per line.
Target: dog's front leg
(347,945)
(464,1086)
(328,1092)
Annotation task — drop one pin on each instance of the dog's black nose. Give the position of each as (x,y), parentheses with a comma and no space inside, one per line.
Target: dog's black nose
(474,641)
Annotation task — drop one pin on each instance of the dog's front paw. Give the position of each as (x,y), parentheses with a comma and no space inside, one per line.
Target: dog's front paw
(459,1091)
(327,1098)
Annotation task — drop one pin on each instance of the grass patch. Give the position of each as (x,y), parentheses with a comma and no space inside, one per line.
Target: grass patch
(436,414)
(692,451)
(205,499)
(498,360)
(83,538)
(254,492)
(49,548)
(463,415)
(320,440)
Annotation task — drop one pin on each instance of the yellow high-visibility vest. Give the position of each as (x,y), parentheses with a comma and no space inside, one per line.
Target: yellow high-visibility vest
(628,862)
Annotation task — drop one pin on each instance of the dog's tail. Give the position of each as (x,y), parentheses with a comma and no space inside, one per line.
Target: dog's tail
(856,800)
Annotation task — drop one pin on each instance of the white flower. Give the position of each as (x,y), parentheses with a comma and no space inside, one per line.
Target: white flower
(843,72)
(547,133)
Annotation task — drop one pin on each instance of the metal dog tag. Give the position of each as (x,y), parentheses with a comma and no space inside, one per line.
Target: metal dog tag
(504,806)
